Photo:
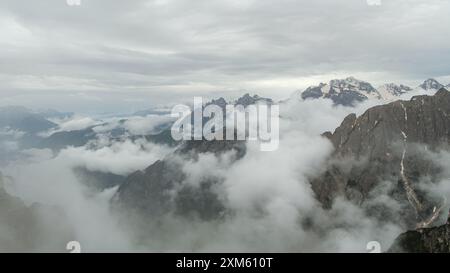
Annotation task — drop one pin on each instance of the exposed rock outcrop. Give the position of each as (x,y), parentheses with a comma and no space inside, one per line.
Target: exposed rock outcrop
(427,240)
(388,143)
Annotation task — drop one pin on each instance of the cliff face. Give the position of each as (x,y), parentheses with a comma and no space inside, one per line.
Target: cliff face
(428,240)
(387,143)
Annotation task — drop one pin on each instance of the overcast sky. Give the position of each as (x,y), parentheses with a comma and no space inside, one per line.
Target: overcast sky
(126,55)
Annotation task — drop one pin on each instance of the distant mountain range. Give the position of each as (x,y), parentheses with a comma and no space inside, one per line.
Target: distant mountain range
(23,126)
(25,120)
(350,91)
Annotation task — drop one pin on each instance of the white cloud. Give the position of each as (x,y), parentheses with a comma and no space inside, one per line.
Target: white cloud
(73,123)
(270,197)
(49,180)
(8,132)
(77,123)
(117,157)
(146,125)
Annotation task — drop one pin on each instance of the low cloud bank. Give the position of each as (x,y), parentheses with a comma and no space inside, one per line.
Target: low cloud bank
(272,204)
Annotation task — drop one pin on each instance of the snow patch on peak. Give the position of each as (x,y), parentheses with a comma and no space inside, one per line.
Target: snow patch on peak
(431,84)
(354,85)
(350,90)
(392,91)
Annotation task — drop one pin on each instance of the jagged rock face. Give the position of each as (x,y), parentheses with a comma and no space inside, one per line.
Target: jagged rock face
(424,119)
(387,143)
(221,102)
(428,240)
(151,192)
(315,92)
(345,92)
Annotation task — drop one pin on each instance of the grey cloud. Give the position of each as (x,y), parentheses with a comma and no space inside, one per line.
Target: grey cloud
(205,46)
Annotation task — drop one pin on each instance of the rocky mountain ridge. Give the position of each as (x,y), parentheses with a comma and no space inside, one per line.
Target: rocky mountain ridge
(389,143)
(350,91)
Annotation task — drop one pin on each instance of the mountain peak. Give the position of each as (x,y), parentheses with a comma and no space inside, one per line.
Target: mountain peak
(247,99)
(220,102)
(431,84)
(352,84)
(346,91)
